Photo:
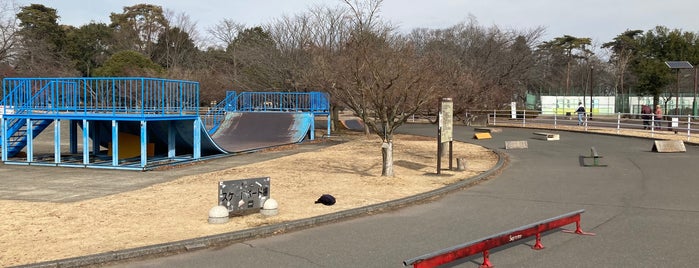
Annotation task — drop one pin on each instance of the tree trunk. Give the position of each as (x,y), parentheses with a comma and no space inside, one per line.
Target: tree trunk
(335,118)
(387,153)
(567,77)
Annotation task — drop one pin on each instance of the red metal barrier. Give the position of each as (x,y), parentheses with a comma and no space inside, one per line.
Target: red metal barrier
(483,245)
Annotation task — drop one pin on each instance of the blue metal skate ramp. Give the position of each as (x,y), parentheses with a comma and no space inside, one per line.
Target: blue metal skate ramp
(238,132)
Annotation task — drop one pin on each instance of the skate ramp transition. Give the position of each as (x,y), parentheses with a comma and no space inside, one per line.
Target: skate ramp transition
(246,131)
(239,132)
(353,124)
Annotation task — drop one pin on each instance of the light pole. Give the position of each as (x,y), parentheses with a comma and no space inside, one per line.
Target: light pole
(694,98)
(677,65)
(592,87)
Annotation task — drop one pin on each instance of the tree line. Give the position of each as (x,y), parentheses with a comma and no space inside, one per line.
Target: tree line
(366,64)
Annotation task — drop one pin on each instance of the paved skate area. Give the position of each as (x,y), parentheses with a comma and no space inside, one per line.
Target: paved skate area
(643,207)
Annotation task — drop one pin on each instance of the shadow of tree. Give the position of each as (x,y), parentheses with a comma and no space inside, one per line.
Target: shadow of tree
(409,165)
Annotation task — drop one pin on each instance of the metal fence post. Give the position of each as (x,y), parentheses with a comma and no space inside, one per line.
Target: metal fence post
(689,127)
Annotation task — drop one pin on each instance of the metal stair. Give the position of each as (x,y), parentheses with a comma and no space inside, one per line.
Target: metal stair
(17,127)
(17,134)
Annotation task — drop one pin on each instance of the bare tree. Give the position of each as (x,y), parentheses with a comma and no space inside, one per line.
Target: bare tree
(308,43)
(380,77)
(225,32)
(8,30)
(185,24)
(481,67)
(175,47)
(218,67)
(623,49)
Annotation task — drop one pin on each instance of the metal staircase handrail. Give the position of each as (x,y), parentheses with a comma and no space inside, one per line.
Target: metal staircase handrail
(216,114)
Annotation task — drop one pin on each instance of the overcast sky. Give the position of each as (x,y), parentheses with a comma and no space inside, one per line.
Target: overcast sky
(600,20)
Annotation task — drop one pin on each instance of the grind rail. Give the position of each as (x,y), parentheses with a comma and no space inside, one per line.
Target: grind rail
(483,245)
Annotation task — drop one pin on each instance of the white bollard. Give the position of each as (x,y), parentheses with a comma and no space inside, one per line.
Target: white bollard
(218,215)
(270,207)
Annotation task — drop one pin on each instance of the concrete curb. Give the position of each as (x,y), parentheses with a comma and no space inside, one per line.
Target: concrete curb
(233,237)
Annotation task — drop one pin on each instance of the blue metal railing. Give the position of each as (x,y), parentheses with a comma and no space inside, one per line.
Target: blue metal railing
(309,102)
(213,118)
(103,95)
(313,102)
(137,96)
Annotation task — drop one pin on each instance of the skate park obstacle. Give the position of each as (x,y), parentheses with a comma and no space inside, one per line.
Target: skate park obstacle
(482,135)
(485,244)
(668,146)
(595,158)
(516,145)
(548,136)
(487,129)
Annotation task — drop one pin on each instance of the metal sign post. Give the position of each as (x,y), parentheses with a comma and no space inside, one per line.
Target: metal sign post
(445,131)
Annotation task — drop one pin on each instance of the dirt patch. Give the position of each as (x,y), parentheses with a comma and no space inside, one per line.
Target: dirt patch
(178,209)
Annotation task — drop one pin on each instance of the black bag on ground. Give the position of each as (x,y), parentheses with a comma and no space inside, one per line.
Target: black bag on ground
(326,199)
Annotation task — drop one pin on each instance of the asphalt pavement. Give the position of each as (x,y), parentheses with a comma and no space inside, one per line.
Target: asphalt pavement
(643,208)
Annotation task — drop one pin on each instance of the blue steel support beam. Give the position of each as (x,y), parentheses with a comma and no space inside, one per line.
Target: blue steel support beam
(96,135)
(313,127)
(329,123)
(30,141)
(4,139)
(197,139)
(86,142)
(115,143)
(57,141)
(171,140)
(144,143)
(73,125)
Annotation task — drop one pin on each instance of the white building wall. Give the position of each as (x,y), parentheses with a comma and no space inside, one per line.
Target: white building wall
(560,105)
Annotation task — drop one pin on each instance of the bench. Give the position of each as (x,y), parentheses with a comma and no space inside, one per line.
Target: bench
(548,136)
(595,158)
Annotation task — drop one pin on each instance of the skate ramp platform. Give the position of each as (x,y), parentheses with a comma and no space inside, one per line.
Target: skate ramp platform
(239,132)
(354,124)
(247,131)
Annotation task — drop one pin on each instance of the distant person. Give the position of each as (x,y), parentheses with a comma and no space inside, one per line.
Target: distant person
(658,116)
(581,113)
(645,115)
